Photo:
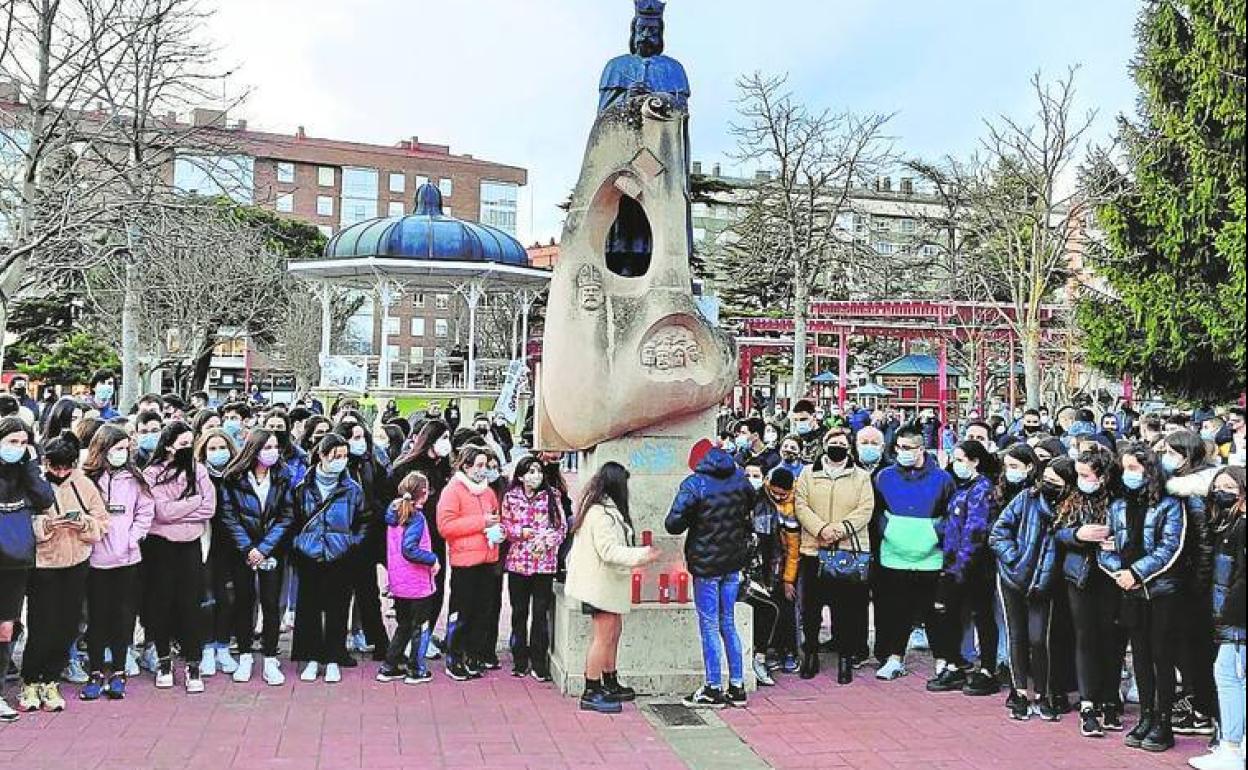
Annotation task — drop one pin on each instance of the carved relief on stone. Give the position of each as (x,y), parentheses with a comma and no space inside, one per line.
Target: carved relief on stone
(589,288)
(670,349)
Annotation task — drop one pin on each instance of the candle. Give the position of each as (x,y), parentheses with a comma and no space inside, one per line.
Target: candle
(665,590)
(636,588)
(682,587)
(647,537)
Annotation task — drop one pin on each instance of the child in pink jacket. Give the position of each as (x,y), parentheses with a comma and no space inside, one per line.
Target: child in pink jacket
(411,566)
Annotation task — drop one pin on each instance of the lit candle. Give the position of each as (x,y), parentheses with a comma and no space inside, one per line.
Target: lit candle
(636,588)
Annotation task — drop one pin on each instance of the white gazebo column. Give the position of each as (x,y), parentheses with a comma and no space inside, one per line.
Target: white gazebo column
(474,294)
(385,295)
(527,300)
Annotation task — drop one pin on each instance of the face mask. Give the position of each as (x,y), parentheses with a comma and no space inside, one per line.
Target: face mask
(1015,476)
(500,422)
(55,478)
(869,453)
(1053,493)
(183,456)
(269,457)
(217,458)
(1073,453)
(118,457)
(803,428)
(491,476)
(1089,487)
(383,443)
(742,442)
(770,437)
(1208,435)
(483,429)
(908,458)
(1133,480)
(147,441)
(1225,500)
(756,483)
(358,447)
(962,470)
(103,392)
(442,448)
(232,427)
(837,453)
(532,481)
(1171,463)
(478,475)
(336,466)
(1030,429)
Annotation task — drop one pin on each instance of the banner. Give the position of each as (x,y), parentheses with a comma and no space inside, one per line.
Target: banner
(341,373)
(508,405)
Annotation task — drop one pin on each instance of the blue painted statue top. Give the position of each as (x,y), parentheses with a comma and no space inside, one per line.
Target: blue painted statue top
(645,70)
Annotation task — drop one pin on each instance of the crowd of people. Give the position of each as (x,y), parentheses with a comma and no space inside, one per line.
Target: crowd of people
(1031,552)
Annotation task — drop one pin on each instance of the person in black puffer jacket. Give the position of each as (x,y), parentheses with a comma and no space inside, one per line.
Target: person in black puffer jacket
(714,507)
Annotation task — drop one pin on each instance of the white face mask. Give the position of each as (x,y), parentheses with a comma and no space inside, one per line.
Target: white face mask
(118,457)
(756,483)
(532,480)
(442,448)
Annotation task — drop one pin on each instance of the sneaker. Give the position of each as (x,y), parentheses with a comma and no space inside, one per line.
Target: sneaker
(333,674)
(419,676)
(310,671)
(74,673)
(918,639)
(475,669)
(50,696)
(1020,709)
(790,664)
(600,702)
(736,696)
(612,687)
(949,680)
(520,670)
(1181,706)
(116,687)
(434,650)
(457,672)
(1061,704)
(762,674)
(490,663)
(1047,711)
(194,682)
(7,712)
(541,676)
(1193,723)
(705,698)
(29,700)
(389,673)
(1090,723)
(1225,756)
(132,663)
(208,662)
(1111,717)
(288,621)
(1135,738)
(272,673)
(893,668)
(242,673)
(225,662)
(94,688)
(980,683)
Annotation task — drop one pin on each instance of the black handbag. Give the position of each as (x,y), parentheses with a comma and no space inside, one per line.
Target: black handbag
(851,566)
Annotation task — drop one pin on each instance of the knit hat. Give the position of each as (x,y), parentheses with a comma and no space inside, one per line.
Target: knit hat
(781,478)
(698,452)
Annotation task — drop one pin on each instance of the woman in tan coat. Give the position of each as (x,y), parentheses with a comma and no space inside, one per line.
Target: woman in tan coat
(835,501)
(600,565)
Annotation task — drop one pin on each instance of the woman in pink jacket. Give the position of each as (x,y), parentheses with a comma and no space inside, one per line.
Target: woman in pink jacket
(112,579)
(185,502)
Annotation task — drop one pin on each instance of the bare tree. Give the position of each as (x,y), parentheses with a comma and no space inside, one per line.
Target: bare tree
(817,160)
(297,334)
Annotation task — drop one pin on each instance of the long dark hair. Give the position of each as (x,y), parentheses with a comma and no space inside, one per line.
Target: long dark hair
(62,451)
(423,441)
(1154,480)
(610,483)
(96,464)
(1079,508)
(1191,446)
(1220,517)
(553,508)
(1022,452)
(61,416)
(309,427)
(163,453)
(976,451)
(246,458)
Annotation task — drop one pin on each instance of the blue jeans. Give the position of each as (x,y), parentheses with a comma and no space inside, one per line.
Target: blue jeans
(715,599)
(1228,674)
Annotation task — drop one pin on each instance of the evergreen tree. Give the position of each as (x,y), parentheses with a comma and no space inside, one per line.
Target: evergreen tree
(1174,253)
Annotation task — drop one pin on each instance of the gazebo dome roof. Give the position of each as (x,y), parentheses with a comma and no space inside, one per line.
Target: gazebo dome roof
(428,234)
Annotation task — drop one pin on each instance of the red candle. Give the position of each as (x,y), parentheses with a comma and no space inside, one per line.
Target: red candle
(682,587)
(665,588)
(636,588)
(647,537)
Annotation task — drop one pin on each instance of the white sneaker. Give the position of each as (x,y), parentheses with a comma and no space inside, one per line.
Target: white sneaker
(332,673)
(164,681)
(194,684)
(74,673)
(132,663)
(225,661)
(273,675)
(1225,757)
(7,712)
(288,621)
(892,669)
(243,672)
(310,671)
(150,660)
(208,663)
(761,673)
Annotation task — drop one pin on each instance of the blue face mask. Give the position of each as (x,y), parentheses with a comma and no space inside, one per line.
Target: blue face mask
(962,470)
(232,427)
(358,447)
(1015,476)
(104,392)
(1208,435)
(742,442)
(336,467)
(217,458)
(908,458)
(1133,480)
(1170,463)
(869,453)
(803,428)
(1089,487)
(148,441)
(13,454)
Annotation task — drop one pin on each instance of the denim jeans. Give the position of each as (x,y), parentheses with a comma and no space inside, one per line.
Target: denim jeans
(1228,675)
(715,599)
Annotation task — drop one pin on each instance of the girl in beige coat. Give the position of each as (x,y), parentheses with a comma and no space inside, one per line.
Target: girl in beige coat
(600,565)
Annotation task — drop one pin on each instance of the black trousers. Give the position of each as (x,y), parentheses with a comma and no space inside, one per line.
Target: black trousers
(847,601)
(265,586)
(176,594)
(1029,624)
(531,599)
(110,615)
(1197,651)
(411,615)
(53,607)
(367,593)
(1155,637)
(471,608)
(976,595)
(438,599)
(322,610)
(1098,661)
(219,604)
(904,599)
(489,641)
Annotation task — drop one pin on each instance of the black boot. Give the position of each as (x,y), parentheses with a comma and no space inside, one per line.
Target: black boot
(844,670)
(614,690)
(596,699)
(1161,737)
(1135,738)
(810,665)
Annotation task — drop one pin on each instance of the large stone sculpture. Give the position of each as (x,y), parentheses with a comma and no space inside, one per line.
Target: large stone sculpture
(625,347)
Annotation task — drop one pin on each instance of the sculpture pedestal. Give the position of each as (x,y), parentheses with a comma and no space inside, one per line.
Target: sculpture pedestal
(660,650)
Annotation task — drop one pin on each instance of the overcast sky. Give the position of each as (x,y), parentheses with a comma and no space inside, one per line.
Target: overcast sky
(515,81)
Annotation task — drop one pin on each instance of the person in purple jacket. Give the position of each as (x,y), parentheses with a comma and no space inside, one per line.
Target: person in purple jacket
(185,501)
(411,566)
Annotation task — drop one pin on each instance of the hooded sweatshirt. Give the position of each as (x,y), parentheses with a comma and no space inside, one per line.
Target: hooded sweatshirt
(715,506)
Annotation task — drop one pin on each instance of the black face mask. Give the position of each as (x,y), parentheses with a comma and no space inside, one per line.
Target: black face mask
(55,479)
(184,456)
(1053,493)
(483,430)
(1031,429)
(1225,500)
(837,453)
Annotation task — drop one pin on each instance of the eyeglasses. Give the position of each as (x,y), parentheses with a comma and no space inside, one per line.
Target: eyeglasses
(909,447)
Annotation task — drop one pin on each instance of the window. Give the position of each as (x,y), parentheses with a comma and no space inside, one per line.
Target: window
(325,176)
(326,230)
(418,327)
(931,250)
(908,226)
(882,225)
(398,182)
(416,355)
(421,181)
(392,352)
(285,202)
(447,187)
(232,176)
(441,328)
(286,173)
(359,195)
(392,326)
(324,205)
(499,202)
(442,301)
(447,211)
(699,234)
(418,300)
(885,248)
(395,209)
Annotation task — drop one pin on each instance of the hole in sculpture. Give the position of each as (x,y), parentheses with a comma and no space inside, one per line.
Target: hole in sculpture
(630,241)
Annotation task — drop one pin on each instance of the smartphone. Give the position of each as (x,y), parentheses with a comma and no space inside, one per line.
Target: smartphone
(72,515)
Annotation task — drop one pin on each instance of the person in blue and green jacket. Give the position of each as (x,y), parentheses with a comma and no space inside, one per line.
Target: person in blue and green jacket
(914,495)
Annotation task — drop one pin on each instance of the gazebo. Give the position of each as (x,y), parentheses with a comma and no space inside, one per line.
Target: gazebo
(425,249)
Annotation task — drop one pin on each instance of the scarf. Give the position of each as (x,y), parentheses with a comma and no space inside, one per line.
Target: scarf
(473,487)
(784,502)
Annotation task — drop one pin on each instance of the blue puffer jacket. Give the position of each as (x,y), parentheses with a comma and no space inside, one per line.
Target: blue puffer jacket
(1078,558)
(1022,539)
(296,465)
(24,493)
(1165,528)
(715,506)
(251,525)
(328,528)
